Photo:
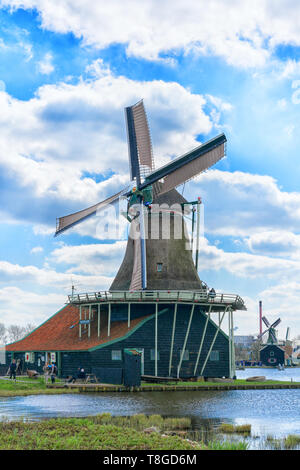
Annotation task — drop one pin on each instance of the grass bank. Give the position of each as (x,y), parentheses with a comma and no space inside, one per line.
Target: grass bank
(25,386)
(106,432)
(102,432)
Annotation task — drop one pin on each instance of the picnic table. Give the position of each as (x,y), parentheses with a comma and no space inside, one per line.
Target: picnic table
(90,378)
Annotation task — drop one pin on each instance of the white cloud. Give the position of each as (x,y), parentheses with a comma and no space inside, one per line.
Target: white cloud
(37,249)
(30,307)
(282,300)
(247,265)
(243,33)
(68,134)
(48,277)
(276,243)
(91,259)
(42,230)
(240,204)
(46,66)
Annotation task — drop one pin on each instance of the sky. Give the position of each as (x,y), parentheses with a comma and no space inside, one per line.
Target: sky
(68,69)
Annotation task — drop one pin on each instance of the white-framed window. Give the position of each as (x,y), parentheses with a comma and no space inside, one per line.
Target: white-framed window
(29,357)
(152,355)
(159,267)
(116,355)
(214,356)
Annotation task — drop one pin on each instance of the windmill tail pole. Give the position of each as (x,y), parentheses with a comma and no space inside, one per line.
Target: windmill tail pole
(260,317)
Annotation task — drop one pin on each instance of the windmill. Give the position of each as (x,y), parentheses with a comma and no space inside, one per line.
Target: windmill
(287,334)
(142,267)
(271,330)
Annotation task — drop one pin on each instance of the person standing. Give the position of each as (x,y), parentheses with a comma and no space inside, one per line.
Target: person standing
(12,369)
(46,372)
(53,372)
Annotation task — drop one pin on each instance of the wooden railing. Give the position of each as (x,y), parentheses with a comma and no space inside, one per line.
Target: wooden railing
(156,296)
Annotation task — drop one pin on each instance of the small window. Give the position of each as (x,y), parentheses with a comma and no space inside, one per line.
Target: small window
(186,355)
(116,355)
(271,353)
(214,356)
(159,267)
(152,355)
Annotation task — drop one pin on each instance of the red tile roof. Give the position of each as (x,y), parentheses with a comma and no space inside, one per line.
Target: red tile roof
(55,334)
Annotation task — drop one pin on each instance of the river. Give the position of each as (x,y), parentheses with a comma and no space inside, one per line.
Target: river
(270,412)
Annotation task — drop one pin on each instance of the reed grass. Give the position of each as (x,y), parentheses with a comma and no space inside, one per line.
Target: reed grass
(227,428)
(97,432)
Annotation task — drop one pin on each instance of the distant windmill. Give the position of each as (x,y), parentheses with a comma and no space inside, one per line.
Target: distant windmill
(153,186)
(271,330)
(287,334)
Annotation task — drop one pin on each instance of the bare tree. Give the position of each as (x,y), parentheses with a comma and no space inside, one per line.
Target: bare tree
(255,349)
(29,328)
(3,334)
(15,333)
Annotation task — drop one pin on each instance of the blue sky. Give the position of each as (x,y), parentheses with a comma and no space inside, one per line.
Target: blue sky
(66,74)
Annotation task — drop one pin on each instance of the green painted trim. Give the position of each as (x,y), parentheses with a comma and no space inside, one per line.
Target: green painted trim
(129,333)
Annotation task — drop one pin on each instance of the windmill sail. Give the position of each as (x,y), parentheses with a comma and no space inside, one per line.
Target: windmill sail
(189,165)
(141,164)
(276,323)
(139,141)
(261,334)
(68,221)
(266,322)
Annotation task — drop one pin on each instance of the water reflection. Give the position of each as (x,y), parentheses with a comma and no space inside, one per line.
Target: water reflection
(270,412)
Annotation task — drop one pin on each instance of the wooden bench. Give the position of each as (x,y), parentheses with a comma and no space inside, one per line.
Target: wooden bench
(90,378)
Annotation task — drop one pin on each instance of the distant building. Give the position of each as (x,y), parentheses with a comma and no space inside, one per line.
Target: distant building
(244,341)
(296,351)
(272,355)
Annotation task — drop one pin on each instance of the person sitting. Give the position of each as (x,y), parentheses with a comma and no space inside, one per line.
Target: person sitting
(80,375)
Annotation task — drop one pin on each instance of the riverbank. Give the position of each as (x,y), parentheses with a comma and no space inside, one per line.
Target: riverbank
(182,387)
(106,432)
(24,387)
(137,432)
